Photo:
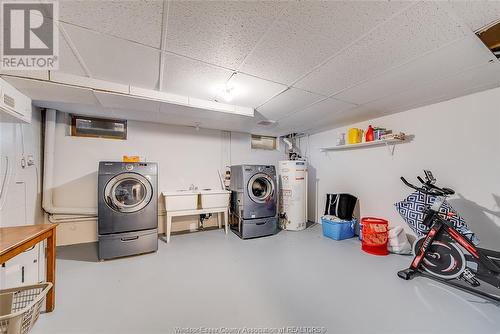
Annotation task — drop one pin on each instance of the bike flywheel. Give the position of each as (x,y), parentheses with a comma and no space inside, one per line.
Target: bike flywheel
(443,259)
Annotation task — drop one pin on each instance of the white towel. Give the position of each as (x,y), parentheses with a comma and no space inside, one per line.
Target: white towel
(398,241)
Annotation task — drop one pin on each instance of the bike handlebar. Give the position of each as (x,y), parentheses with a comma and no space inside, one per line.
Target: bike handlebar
(409,184)
(420,179)
(428,188)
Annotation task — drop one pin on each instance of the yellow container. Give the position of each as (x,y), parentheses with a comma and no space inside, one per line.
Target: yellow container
(354,135)
(133,158)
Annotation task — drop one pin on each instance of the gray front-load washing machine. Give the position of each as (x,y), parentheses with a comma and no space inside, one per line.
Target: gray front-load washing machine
(254,198)
(127,208)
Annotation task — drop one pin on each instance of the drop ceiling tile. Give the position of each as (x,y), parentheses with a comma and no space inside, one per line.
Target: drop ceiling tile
(252,92)
(112,59)
(355,115)
(138,21)
(192,78)
(124,102)
(313,116)
(68,62)
(474,79)
(287,102)
(309,32)
(477,14)
(470,81)
(421,28)
(218,32)
(444,62)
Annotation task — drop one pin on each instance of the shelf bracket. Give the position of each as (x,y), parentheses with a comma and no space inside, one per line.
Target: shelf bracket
(390,148)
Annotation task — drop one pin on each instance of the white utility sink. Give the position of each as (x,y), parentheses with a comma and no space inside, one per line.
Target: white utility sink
(214,198)
(181,200)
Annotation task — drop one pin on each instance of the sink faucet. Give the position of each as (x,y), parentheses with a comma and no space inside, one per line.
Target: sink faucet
(193,187)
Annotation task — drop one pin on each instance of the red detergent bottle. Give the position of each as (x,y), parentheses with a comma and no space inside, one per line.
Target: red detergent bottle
(369,134)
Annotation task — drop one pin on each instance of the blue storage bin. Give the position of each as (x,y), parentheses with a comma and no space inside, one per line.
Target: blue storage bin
(338,229)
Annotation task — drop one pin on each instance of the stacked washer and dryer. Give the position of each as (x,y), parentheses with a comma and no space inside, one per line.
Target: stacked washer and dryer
(127,208)
(254,198)
(256,192)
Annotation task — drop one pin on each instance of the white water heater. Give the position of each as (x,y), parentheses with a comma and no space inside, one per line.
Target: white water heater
(293,194)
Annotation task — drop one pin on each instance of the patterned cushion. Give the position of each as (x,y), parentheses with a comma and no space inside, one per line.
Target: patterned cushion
(412,211)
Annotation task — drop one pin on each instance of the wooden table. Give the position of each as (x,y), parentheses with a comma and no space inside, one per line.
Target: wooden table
(15,240)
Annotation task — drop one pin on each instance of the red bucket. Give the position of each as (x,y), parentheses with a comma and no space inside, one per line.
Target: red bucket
(375,233)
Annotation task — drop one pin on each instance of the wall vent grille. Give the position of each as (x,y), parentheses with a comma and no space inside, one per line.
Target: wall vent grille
(9,101)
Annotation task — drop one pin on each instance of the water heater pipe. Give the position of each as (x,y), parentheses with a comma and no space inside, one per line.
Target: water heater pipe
(48,172)
(288,142)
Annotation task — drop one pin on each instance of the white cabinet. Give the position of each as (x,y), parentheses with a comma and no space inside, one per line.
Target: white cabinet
(14,106)
(21,270)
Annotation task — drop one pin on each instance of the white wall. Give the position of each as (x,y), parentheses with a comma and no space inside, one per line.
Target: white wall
(185,156)
(457,139)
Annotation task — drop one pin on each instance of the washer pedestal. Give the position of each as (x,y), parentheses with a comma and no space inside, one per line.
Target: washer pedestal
(127,243)
(255,228)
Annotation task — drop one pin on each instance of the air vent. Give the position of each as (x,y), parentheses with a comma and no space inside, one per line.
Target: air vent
(267,122)
(9,101)
(490,36)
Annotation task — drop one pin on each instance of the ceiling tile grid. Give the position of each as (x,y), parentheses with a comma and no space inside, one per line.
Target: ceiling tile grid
(250,91)
(218,32)
(474,79)
(192,78)
(476,14)
(443,62)
(138,21)
(383,57)
(421,28)
(309,32)
(68,62)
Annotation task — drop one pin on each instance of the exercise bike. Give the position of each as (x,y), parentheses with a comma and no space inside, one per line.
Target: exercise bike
(449,256)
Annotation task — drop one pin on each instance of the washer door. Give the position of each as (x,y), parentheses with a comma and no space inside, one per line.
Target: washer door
(260,188)
(128,192)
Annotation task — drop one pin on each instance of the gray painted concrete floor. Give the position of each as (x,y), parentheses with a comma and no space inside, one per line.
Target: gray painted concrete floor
(211,280)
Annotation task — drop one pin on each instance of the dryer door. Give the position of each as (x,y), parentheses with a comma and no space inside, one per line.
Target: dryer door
(128,192)
(261,188)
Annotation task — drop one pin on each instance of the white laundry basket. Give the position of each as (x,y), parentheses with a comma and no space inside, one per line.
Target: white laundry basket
(20,307)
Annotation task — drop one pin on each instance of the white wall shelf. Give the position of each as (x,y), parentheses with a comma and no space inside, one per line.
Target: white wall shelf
(387,142)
